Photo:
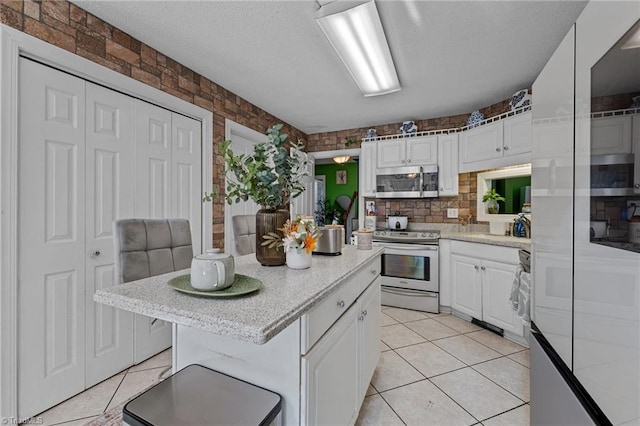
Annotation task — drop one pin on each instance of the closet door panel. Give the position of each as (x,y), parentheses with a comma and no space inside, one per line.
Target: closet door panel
(110,149)
(153,161)
(152,200)
(186,163)
(51,238)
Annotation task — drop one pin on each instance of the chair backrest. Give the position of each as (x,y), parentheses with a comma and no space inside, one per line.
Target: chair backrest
(244,233)
(148,247)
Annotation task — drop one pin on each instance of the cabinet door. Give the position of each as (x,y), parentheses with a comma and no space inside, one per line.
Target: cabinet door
(448,165)
(391,153)
(517,134)
(331,394)
(367,167)
(369,333)
(466,288)
(422,151)
(497,279)
(611,135)
(480,144)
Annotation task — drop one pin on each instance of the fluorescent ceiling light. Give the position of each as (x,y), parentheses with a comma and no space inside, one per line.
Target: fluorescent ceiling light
(341,159)
(358,38)
(633,42)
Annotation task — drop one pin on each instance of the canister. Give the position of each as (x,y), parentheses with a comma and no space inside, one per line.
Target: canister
(365,238)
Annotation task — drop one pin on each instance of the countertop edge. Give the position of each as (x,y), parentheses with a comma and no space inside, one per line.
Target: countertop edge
(495,240)
(234,329)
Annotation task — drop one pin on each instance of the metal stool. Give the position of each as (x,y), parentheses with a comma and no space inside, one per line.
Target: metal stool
(197,395)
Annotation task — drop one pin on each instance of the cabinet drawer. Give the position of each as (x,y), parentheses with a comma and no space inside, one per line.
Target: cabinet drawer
(486,251)
(320,318)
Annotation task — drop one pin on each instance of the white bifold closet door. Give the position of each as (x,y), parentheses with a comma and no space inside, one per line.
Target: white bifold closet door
(110,161)
(51,238)
(87,156)
(76,164)
(168,152)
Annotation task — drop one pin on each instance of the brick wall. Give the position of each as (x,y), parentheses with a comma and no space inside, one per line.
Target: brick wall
(419,211)
(68,26)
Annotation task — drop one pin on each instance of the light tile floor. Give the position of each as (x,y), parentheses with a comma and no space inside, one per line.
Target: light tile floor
(93,402)
(434,369)
(437,369)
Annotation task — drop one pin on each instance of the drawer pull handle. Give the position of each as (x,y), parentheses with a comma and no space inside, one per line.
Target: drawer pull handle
(341,304)
(374,272)
(364,313)
(506,148)
(483,268)
(476,267)
(361,318)
(497,149)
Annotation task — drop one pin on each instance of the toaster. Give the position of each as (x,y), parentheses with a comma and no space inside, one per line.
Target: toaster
(331,240)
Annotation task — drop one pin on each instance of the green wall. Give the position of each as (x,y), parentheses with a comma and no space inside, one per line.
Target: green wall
(334,190)
(513,190)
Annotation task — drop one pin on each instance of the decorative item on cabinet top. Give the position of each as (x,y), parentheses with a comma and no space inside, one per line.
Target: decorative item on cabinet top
(409,128)
(378,138)
(475,119)
(520,99)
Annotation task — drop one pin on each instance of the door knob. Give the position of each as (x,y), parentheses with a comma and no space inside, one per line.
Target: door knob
(483,268)
(637,185)
(497,149)
(476,267)
(374,272)
(409,160)
(364,313)
(95,253)
(341,304)
(506,148)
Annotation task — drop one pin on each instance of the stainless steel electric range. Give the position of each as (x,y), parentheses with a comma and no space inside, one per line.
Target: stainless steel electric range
(410,276)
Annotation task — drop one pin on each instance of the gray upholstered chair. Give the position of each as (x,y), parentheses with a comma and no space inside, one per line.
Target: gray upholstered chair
(145,248)
(148,247)
(244,233)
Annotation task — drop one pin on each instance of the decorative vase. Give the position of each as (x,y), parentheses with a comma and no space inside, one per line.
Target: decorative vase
(298,258)
(269,220)
(493,207)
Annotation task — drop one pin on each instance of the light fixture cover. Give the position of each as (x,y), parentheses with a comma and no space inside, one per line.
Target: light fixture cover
(358,38)
(341,159)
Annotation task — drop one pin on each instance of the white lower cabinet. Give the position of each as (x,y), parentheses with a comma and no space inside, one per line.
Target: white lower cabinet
(338,369)
(481,283)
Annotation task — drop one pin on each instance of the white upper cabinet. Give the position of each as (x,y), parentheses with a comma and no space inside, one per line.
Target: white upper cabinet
(502,143)
(414,151)
(367,169)
(448,165)
(611,135)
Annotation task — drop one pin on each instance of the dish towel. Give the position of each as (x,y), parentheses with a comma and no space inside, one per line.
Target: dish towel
(524,298)
(515,288)
(521,294)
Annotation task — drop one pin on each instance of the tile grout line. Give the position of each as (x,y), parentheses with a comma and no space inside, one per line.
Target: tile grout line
(75,420)
(116,390)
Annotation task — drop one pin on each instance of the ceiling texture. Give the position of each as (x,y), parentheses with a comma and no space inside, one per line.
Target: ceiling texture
(452,57)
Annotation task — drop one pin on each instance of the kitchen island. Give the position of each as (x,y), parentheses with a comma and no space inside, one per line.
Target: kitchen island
(311,335)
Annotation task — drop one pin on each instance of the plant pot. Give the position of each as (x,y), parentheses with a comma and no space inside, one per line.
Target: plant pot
(269,220)
(298,258)
(492,206)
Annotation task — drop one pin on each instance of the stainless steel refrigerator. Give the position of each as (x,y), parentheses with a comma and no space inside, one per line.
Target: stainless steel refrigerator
(585,339)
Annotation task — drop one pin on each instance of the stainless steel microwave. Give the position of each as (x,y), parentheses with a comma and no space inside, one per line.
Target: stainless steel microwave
(407,182)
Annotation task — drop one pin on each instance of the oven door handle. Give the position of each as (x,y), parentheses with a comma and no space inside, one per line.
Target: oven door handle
(416,248)
(421,181)
(409,292)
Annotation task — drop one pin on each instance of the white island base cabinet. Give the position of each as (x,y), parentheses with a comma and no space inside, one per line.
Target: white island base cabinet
(322,380)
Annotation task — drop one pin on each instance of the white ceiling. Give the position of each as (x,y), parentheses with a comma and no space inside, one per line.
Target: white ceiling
(452,57)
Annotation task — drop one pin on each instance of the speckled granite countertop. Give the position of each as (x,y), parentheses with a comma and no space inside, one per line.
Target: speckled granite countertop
(496,240)
(257,317)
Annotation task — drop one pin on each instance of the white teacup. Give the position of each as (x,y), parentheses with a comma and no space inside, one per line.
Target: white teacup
(212,271)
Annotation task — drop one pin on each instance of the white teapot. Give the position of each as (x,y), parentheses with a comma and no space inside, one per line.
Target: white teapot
(212,271)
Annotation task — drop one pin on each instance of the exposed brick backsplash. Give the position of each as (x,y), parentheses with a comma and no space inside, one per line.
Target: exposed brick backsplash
(612,102)
(68,26)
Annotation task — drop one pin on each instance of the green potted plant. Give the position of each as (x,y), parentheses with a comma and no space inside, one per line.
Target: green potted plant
(491,198)
(271,177)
